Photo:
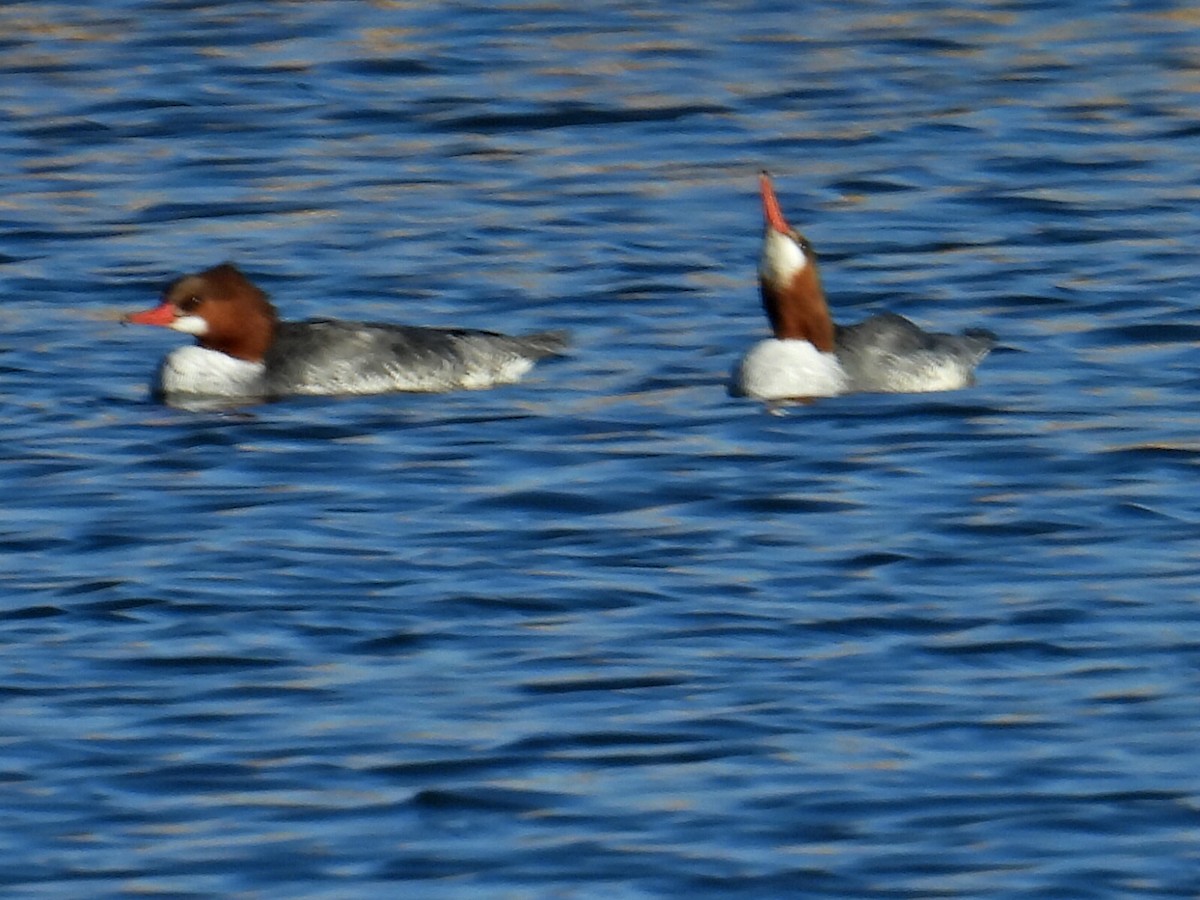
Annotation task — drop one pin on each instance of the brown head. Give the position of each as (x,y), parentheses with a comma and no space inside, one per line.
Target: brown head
(789,281)
(222,308)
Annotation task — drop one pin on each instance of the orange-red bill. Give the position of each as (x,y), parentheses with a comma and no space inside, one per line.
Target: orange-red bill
(163,314)
(771,204)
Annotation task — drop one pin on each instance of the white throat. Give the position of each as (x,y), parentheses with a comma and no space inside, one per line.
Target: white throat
(781,258)
(196,325)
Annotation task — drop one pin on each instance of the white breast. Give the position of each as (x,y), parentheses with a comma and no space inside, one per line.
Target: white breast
(788,370)
(209,373)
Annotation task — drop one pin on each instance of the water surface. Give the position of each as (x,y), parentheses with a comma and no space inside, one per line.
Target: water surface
(610,632)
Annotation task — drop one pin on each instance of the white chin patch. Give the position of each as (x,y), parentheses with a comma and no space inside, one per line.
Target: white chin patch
(781,257)
(190,325)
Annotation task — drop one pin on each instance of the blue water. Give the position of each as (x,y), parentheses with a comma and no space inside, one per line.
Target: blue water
(608,633)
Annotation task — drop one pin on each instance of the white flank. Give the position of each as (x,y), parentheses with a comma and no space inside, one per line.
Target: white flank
(916,374)
(508,372)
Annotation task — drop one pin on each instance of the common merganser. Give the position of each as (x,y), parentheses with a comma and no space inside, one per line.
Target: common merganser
(243,350)
(810,356)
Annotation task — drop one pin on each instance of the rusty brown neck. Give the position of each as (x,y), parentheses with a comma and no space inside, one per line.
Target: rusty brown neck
(798,311)
(249,341)
(241,320)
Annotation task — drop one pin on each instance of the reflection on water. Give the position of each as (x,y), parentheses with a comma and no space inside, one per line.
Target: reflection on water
(608,631)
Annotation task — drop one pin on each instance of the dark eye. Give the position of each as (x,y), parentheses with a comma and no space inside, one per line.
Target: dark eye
(189,304)
(805,246)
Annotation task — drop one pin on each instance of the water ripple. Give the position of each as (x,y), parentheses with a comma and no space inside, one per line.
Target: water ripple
(610,631)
